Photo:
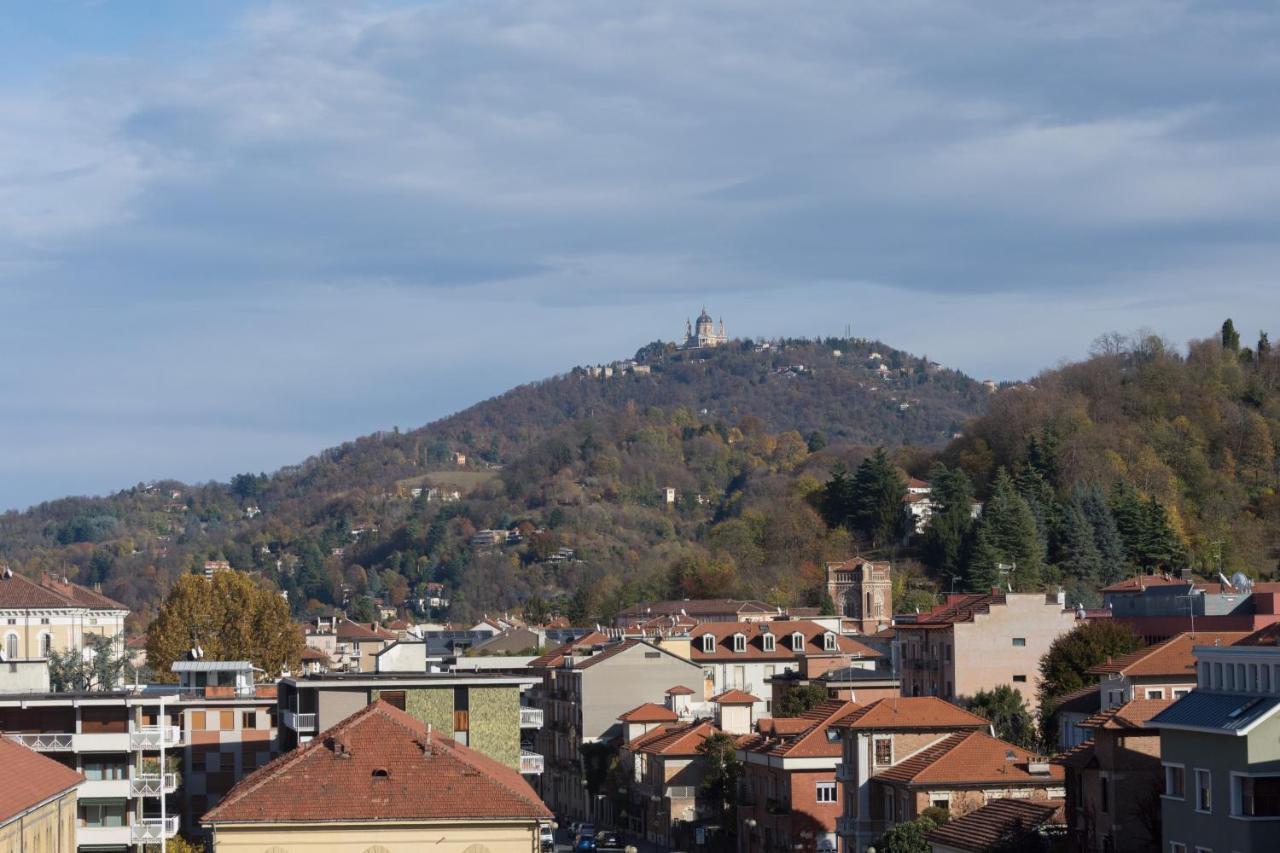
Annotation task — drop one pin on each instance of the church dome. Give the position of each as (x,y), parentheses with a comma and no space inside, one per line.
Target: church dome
(704,317)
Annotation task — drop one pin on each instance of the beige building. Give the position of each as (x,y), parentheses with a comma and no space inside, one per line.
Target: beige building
(978,642)
(385,780)
(37,802)
(53,614)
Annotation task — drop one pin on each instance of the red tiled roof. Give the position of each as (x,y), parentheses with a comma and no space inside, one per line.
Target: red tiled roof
(556,657)
(810,740)
(649,713)
(18,592)
(781,629)
(679,690)
(678,740)
(1173,657)
(1078,757)
(30,778)
(1268,636)
(358,631)
(969,758)
(997,821)
(312,653)
(911,712)
(1131,715)
(379,764)
(782,725)
(81,596)
(735,697)
(1138,583)
(959,608)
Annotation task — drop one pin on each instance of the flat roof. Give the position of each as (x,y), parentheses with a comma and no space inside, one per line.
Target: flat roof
(359,679)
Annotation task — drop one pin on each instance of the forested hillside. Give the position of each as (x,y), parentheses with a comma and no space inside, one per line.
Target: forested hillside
(745,434)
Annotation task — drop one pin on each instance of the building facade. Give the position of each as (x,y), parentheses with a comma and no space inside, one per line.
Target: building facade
(53,614)
(703,333)
(37,802)
(862,591)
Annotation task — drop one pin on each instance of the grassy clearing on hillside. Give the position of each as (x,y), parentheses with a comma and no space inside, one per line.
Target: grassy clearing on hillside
(461,480)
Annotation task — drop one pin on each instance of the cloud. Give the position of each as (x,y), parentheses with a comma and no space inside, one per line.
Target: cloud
(325,218)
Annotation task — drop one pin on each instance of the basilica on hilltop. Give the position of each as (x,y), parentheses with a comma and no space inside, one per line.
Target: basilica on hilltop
(704,333)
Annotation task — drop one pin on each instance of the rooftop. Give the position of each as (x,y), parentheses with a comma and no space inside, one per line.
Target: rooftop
(781,630)
(804,736)
(1218,713)
(998,821)
(911,712)
(649,713)
(30,779)
(380,764)
(18,592)
(972,758)
(677,739)
(1173,657)
(699,607)
(1139,583)
(735,697)
(1132,715)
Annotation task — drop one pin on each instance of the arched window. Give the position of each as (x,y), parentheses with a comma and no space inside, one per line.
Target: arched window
(708,643)
(11,647)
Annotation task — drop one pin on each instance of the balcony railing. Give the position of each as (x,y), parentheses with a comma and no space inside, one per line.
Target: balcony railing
(152,737)
(530,718)
(43,742)
(531,762)
(682,792)
(298,722)
(147,829)
(152,784)
(850,826)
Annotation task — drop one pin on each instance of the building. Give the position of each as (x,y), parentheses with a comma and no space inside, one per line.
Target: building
(586,686)
(1160,606)
(480,710)
(1166,670)
(790,798)
(1220,747)
(703,333)
(862,591)
(1072,710)
(664,772)
(978,642)
(746,655)
(53,614)
(698,610)
(1001,824)
(381,776)
(849,683)
(1114,780)
(356,644)
(37,802)
(874,738)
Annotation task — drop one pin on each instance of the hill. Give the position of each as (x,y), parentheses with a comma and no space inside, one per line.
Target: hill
(744,433)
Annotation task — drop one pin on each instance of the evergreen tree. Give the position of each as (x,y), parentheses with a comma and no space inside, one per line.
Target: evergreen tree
(837,497)
(1078,555)
(878,493)
(1161,547)
(1006,534)
(946,536)
(1264,346)
(1043,503)
(1106,538)
(1130,521)
(1230,337)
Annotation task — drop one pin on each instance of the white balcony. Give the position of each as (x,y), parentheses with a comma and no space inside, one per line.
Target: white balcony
(298,722)
(531,762)
(44,742)
(152,784)
(103,742)
(103,789)
(151,829)
(844,772)
(152,737)
(103,836)
(530,718)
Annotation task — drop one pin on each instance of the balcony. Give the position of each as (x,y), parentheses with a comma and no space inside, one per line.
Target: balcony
(154,737)
(151,829)
(682,792)
(44,742)
(298,722)
(844,773)
(103,836)
(104,789)
(152,784)
(530,718)
(531,762)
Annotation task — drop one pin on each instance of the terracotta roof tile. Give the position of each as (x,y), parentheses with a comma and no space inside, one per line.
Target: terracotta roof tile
(911,712)
(1078,757)
(679,740)
(379,764)
(782,630)
(555,658)
(1172,657)
(1268,636)
(81,596)
(735,697)
(18,592)
(30,778)
(348,630)
(808,735)
(679,690)
(1131,715)
(1138,583)
(984,828)
(968,758)
(649,713)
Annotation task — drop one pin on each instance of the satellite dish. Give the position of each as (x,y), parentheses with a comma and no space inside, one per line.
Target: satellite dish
(1242,582)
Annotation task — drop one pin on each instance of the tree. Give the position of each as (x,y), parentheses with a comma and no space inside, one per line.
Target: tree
(908,837)
(720,778)
(800,698)
(1008,713)
(946,536)
(1065,667)
(1078,555)
(95,668)
(231,617)
(1230,337)
(1106,537)
(1006,536)
(878,492)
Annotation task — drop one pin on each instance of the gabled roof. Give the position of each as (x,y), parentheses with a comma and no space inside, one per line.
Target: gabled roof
(30,778)
(970,758)
(359,632)
(649,713)
(1078,757)
(683,739)
(1171,658)
(1082,700)
(1129,716)
(958,608)
(679,690)
(18,592)
(782,631)
(1216,713)
(997,821)
(312,653)
(1268,636)
(555,658)
(79,595)
(379,764)
(735,697)
(911,712)
(801,737)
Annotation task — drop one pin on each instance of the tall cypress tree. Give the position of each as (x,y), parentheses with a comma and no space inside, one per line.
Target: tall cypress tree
(1230,337)
(1006,534)
(1078,551)
(878,491)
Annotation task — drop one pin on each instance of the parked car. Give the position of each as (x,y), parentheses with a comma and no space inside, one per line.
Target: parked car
(608,841)
(585,844)
(586,830)
(547,838)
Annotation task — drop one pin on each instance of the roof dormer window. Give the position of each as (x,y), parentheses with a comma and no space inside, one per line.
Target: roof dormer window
(739,642)
(769,642)
(797,642)
(829,642)
(708,643)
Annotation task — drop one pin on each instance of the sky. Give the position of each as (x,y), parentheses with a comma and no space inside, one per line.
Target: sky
(235,233)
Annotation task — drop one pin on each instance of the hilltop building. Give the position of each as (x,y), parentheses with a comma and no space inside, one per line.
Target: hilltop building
(862,592)
(703,333)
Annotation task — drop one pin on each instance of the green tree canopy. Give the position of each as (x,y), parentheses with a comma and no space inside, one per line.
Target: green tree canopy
(908,837)
(96,668)
(1008,713)
(1065,667)
(799,698)
(1006,536)
(231,617)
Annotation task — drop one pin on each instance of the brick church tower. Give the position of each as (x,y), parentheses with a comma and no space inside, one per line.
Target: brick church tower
(862,591)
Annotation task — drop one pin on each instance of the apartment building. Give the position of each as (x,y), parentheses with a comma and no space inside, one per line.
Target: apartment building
(789,797)
(978,642)
(37,802)
(1165,670)
(665,769)
(1114,780)
(1220,747)
(1158,607)
(381,779)
(53,614)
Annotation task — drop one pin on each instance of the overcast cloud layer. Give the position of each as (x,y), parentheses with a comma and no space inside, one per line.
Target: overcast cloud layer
(229,241)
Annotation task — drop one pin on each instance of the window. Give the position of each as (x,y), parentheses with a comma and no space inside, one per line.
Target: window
(826,792)
(941,804)
(105,769)
(769,642)
(197,721)
(1204,791)
(708,643)
(1175,782)
(739,642)
(46,645)
(11,621)
(1104,795)
(1019,642)
(797,642)
(44,620)
(1179,693)
(829,642)
(102,813)
(1020,679)
(1155,693)
(946,652)
(652,655)
(248,719)
(884,751)
(11,647)
(1256,796)
(1177,847)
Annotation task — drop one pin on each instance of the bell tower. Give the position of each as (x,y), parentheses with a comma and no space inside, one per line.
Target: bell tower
(862,591)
